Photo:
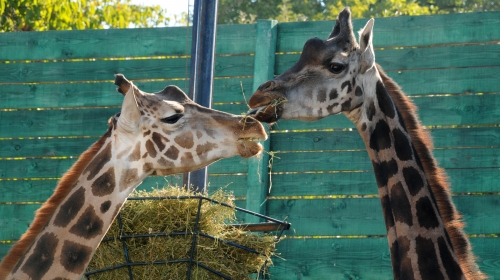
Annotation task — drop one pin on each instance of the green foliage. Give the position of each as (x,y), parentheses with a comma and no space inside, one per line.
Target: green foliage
(239,11)
(41,15)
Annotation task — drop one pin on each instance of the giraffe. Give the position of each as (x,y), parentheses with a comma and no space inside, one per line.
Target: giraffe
(424,230)
(154,134)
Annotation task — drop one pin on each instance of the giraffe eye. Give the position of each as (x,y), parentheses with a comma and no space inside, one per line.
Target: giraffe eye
(172,119)
(336,68)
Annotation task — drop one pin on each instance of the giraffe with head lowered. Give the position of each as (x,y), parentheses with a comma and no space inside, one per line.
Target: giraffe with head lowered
(337,75)
(154,134)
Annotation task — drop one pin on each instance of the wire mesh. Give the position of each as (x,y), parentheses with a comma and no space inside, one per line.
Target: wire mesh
(270,224)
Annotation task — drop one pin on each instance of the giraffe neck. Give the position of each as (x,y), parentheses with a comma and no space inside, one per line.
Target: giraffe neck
(426,239)
(69,227)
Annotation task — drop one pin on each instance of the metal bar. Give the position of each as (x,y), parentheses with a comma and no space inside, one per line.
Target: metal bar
(195,239)
(202,71)
(125,250)
(285,224)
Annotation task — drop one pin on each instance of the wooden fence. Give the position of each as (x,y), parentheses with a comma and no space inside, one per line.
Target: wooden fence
(56,95)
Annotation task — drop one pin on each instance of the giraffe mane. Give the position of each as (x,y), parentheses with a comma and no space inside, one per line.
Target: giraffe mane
(46,211)
(437,178)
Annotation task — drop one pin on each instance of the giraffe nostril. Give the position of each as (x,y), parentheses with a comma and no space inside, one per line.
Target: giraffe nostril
(266,86)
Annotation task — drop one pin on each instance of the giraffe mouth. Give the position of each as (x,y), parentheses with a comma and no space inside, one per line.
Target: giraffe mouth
(268,110)
(269,113)
(249,133)
(248,147)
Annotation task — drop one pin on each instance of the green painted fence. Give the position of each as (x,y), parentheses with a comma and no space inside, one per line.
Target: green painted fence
(56,95)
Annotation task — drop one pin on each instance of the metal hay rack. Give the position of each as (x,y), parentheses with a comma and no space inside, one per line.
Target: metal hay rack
(270,225)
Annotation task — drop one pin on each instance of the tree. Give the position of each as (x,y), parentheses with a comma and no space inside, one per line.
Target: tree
(40,15)
(244,11)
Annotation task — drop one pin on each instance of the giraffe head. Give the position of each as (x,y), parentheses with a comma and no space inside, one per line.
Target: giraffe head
(325,81)
(172,134)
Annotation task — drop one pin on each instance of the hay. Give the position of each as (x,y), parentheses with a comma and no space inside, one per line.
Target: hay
(179,215)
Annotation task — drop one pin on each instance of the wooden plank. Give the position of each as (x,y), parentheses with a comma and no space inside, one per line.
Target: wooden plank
(45,147)
(351,140)
(363,216)
(232,183)
(300,184)
(359,160)
(38,191)
(367,258)
(28,190)
(447,81)
(309,217)
(363,183)
(16,218)
(55,122)
(54,168)
(101,70)
(400,31)
(258,183)
(435,110)
(225,90)
(283,162)
(141,42)
(4,249)
(421,58)
(33,123)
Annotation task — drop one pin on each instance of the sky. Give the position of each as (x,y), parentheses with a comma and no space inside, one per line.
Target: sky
(174,7)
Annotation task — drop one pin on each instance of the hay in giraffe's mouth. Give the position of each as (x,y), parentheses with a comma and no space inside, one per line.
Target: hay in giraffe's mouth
(251,139)
(270,112)
(274,104)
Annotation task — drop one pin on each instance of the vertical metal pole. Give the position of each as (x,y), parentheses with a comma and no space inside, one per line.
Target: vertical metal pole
(202,71)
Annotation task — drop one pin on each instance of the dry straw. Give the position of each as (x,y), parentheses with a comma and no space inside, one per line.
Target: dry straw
(179,215)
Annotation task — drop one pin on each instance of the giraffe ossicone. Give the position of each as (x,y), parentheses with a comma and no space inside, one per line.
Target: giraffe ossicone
(337,75)
(154,134)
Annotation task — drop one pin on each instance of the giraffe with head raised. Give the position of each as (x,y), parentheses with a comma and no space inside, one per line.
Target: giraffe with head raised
(161,133)
(337,75)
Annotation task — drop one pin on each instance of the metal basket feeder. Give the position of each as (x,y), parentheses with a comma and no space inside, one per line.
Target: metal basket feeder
(270,225)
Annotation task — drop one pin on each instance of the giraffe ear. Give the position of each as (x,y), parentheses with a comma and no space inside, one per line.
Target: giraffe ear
(366,46)
(130,114)
(173,93)
(335,30)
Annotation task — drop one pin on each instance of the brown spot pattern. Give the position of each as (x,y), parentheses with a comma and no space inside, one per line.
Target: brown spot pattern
(70,208)
(147,167)
(39,263)
(172,153)
(205,148)
(187,159)
(74,256)
(164,163)
(89,225)
(98,162)
(321,95)
(105,184)
(159,140)
(150,147)
(185,140)
(105,206)
(128,178)
(136,153)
